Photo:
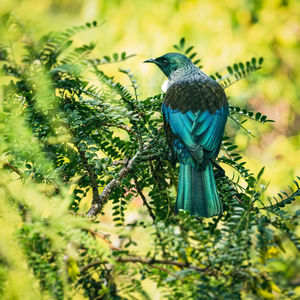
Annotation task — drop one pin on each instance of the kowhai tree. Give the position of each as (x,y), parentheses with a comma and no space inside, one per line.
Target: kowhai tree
(69,133)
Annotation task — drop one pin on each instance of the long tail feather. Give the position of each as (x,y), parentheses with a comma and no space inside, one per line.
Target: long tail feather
(197,191)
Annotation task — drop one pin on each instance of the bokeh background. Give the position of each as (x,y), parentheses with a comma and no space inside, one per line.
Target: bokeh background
(223,32)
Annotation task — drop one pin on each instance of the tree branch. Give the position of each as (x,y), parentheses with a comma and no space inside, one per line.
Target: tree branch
(151,262)
(96,263)
(104,237)
(98,202)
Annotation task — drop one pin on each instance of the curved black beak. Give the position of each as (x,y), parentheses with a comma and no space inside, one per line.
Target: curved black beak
(151,60)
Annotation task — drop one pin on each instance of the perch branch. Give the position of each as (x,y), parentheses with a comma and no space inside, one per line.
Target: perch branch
(98,202)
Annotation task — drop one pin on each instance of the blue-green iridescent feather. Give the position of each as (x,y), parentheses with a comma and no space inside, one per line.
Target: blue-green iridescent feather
(197,142)
(195,112)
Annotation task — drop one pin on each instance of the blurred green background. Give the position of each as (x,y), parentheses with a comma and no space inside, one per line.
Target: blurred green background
(223,32)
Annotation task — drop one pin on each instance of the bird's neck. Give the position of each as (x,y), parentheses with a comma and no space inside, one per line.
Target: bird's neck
(186,73)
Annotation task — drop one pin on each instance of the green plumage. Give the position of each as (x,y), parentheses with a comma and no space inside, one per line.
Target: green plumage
(195,111)
(195,187)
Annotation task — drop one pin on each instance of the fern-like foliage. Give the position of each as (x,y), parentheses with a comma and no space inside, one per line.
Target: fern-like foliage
(234,73)
(188,51)
(258,117)
(283,198)
(238,71)
(77,139)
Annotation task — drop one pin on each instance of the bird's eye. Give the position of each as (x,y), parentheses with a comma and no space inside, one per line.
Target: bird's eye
(165,62)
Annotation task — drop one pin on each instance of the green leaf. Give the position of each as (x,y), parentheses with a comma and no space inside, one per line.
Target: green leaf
(230,70)
(116,56)
(189,49)
(257,116)
(192,56)
(260,173)
(182,43)
(107,58)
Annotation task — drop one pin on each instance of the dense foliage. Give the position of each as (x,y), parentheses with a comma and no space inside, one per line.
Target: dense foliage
(69,133)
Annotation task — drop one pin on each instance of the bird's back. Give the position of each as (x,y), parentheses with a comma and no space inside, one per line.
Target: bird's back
(195,94)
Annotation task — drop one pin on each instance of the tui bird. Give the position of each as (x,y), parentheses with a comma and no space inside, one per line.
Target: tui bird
(195,111)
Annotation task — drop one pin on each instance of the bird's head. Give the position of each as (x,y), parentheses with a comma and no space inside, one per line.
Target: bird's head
(170,62)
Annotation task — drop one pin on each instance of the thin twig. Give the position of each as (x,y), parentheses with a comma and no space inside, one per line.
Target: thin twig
(13,168)
(154,176)
(103,237)
(144,158)
(118,162)
(239,124)
(121,126)
(140,192)
(225,81)
(93,264)
(166,271)
(149,261)
(237,199)
(92,175)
